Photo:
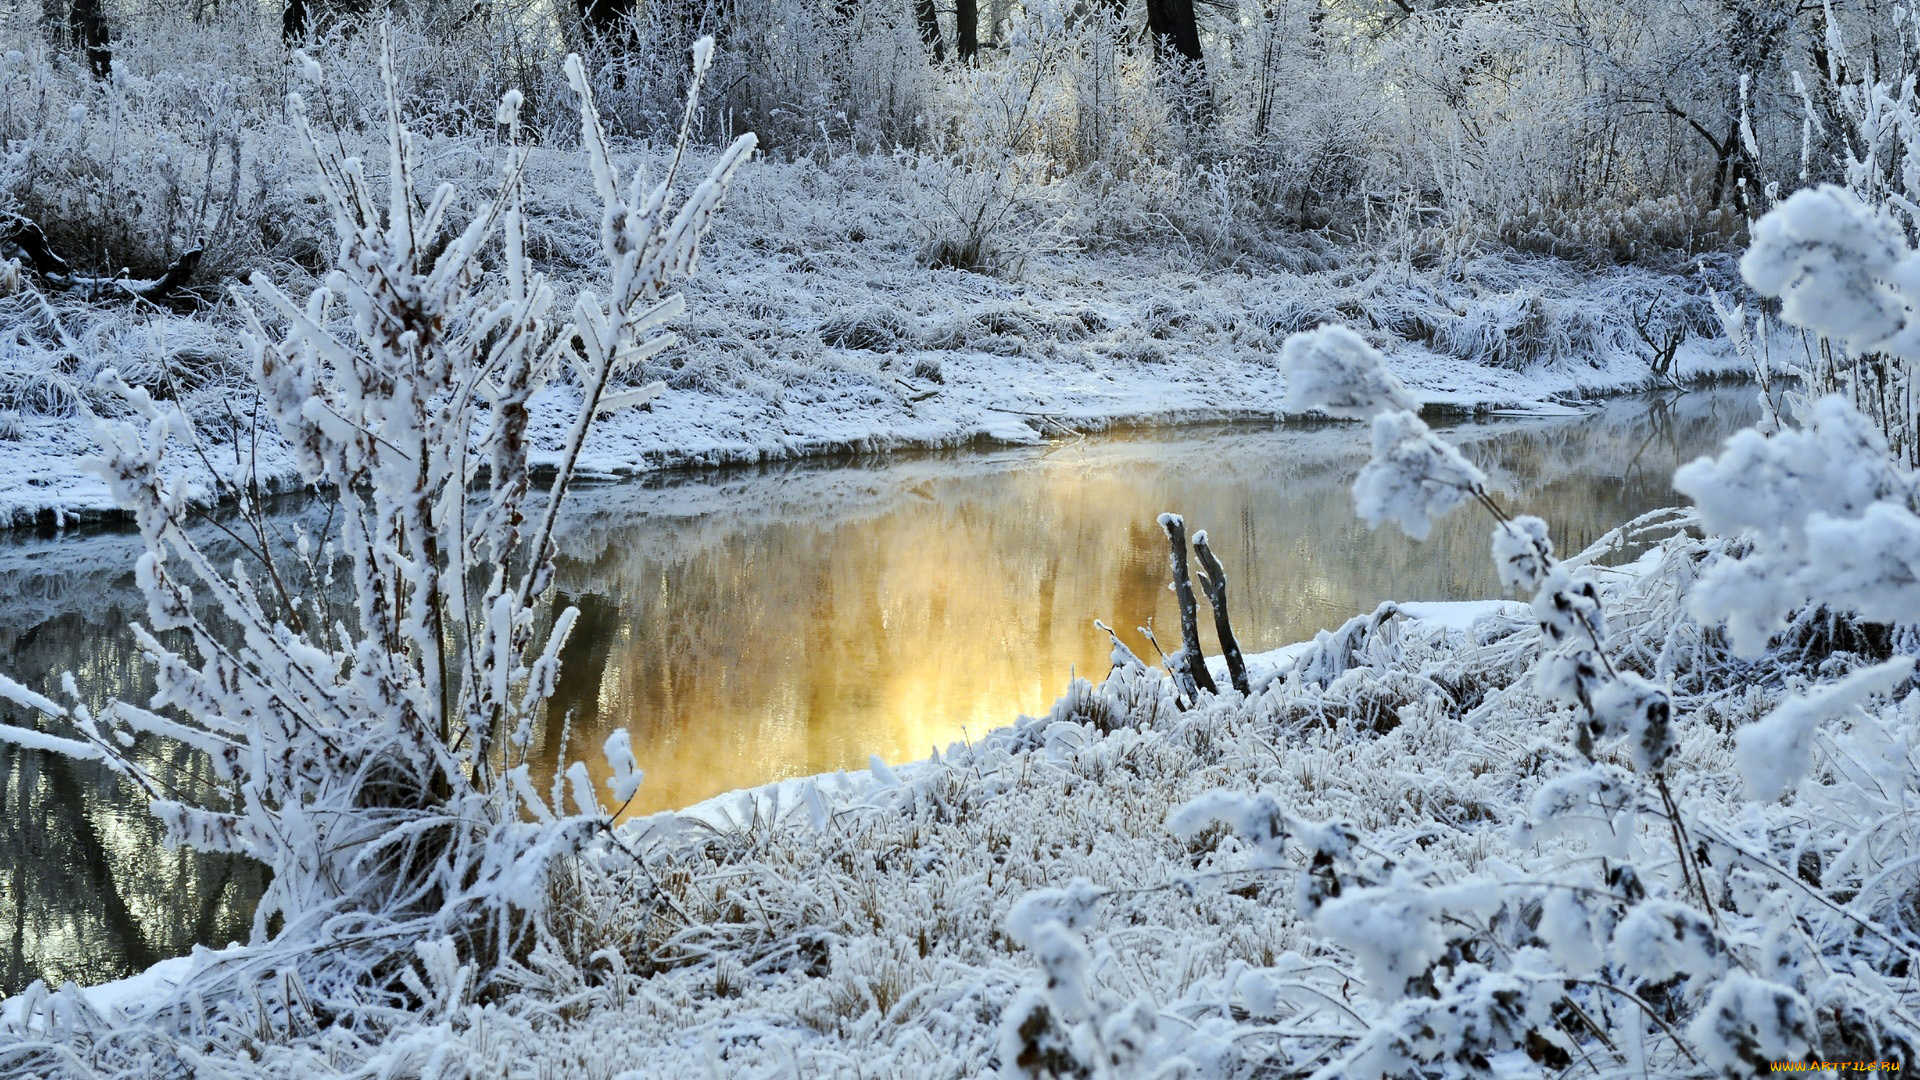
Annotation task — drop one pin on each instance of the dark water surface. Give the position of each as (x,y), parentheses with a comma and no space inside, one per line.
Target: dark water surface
(754,624)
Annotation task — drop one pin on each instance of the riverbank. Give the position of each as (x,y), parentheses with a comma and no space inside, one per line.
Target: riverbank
(890,922)
(781,359)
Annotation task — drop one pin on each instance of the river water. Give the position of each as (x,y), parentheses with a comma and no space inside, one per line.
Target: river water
(753,624)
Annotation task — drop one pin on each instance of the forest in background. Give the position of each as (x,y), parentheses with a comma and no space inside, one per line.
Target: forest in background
(1269,132)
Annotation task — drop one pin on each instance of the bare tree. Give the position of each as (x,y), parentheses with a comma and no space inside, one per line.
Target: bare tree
(928,20)
(966,29)
(1175,30)
(80,24)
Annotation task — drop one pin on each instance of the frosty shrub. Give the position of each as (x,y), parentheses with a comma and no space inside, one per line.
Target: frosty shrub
(1334,370)
(1825,501)
(1840,257)
(374,755)
(983,170)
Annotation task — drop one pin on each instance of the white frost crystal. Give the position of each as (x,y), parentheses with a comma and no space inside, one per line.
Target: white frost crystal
(1522,553)
(1776,753)
(626,773)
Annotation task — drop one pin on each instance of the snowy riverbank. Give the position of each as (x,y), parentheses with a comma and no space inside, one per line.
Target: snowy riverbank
(780,362)
(785,801)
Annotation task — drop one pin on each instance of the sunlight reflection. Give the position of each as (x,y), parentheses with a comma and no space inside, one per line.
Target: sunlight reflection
(924,602)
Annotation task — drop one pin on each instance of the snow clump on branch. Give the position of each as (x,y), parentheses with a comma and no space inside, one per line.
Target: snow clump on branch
(1334,370)
(1414,476)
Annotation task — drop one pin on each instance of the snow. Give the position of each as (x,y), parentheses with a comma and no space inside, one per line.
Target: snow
(1776,753)
(1837,265)
(1016,365)
(1334,370)
(1394,932)
(1066,895)
(1414,476)
(1832,479)
(1460,614)
(1522,553)
(626,775)
(1750,1023)
(1120,944)
(135,993)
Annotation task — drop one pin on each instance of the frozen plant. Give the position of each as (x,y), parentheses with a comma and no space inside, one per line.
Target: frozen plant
(1334,370)
(376,759)
(1414,475)
(1828,506)
(1829,516)
(1070,1025)
(1840,258)
(1466,969)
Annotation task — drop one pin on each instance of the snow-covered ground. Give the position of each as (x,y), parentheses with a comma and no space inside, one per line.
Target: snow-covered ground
(885,923)
(782,363)
(814,327)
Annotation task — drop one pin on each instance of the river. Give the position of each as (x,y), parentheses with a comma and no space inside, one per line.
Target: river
(758,623)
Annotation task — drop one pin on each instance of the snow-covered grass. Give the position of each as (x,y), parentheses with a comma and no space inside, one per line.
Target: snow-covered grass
(805,343)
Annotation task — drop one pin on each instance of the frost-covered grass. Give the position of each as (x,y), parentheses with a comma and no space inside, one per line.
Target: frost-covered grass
(863,925)
(807,342)
(1159,295)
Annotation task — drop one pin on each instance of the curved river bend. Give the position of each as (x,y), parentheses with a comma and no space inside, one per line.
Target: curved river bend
(754,624)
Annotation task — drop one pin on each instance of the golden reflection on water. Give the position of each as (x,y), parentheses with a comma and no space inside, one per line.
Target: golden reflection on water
(796,622)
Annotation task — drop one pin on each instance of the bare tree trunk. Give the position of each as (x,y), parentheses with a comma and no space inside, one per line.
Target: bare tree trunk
(966,19)
(997,21)
(293,22)
(302,19)
(1190,652)
(1173,26)
(87,24)
(929,20)
(1214,581)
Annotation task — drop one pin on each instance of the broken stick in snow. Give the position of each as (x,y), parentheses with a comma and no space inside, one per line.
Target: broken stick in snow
(1196,660)
(1213,580)
(22,238)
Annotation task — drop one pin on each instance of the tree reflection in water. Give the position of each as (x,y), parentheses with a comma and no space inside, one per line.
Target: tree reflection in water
(88,891)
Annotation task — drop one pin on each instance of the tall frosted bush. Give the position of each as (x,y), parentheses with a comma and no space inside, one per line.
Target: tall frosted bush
(373,754)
